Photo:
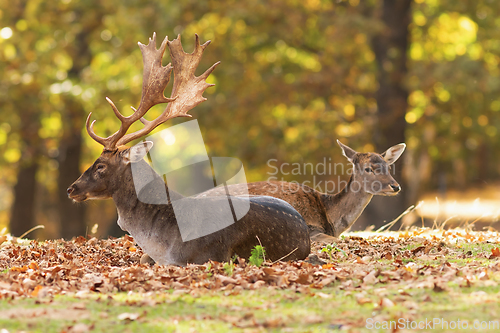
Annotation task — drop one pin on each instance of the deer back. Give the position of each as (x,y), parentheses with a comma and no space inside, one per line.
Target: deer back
(303,198)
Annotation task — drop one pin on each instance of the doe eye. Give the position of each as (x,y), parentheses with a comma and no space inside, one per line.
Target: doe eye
(101,167)
(368,170)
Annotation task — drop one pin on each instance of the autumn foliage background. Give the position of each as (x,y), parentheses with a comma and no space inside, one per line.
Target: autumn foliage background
(295,77)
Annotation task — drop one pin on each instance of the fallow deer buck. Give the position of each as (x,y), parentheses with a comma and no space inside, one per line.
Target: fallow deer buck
(271,222)
(329,215)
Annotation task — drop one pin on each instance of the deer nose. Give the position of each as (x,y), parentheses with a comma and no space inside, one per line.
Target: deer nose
(70,190)
(396,188)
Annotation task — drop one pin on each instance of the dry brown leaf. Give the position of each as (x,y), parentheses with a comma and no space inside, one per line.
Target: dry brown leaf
(79,328)
(495,253)
(313,319)
(225,280)
(370,278)
(437,288)
(324,282)
(362,299)
(386,303)
(273,322)
(129,316)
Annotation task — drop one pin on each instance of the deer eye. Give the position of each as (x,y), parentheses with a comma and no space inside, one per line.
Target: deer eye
(368,170)
(101,167)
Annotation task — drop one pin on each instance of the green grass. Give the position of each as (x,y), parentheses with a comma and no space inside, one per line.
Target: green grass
(474,249)
(265,309)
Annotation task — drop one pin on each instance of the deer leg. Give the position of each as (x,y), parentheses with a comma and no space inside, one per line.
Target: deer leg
(322,238)
(146,259)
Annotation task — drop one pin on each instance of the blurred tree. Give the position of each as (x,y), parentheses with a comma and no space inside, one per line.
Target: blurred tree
(88,16)
(27,150)
(454,81)
(49,35)
(390,47)
(23,209)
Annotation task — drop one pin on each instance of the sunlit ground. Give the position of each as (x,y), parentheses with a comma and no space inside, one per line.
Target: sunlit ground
(479,207)
(456,235)
(461,209)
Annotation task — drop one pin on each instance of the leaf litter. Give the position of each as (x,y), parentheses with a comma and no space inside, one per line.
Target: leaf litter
(368,266)
(411,259)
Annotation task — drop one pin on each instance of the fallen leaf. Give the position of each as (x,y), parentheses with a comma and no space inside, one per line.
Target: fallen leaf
(22,269)
(129,316)
(79,328)
(437,288)
(35,291)
(313,319)
(370,278)
(363,300)
(386,303)
(79,306)
(273,322)
(495,253)
(418,249)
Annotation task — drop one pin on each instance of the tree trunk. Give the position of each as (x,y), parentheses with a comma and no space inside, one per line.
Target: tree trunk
(390,48)
(22,216)
(71,215)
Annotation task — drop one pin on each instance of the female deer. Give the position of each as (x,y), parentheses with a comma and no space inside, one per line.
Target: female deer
(328,215)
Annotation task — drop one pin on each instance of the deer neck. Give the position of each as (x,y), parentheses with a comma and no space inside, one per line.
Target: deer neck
(153,226)
(344,207)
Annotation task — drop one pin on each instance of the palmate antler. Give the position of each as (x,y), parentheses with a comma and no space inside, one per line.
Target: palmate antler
(187,91)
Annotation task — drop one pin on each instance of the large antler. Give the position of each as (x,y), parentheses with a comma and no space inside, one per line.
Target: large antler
(187,90)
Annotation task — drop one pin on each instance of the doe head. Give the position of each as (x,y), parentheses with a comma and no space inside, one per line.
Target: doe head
(372,171)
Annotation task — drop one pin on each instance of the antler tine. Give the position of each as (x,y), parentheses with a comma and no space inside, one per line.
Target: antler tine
(155,80)
(90,131)
(115,110)
(187,89)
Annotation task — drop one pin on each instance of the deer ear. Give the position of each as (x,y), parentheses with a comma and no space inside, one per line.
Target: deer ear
(347,152)
(137,152)
(392,154)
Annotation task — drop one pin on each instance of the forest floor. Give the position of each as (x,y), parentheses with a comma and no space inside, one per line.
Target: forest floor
(418,280)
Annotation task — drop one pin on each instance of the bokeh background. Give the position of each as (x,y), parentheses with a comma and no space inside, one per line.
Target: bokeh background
(295,77)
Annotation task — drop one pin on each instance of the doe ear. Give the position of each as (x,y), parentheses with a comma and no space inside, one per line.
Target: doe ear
(347,152)
(137,152)
(392,154)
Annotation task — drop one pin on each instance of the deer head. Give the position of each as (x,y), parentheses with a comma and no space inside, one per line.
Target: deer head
(101,180)
(371,171)
(107,173)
